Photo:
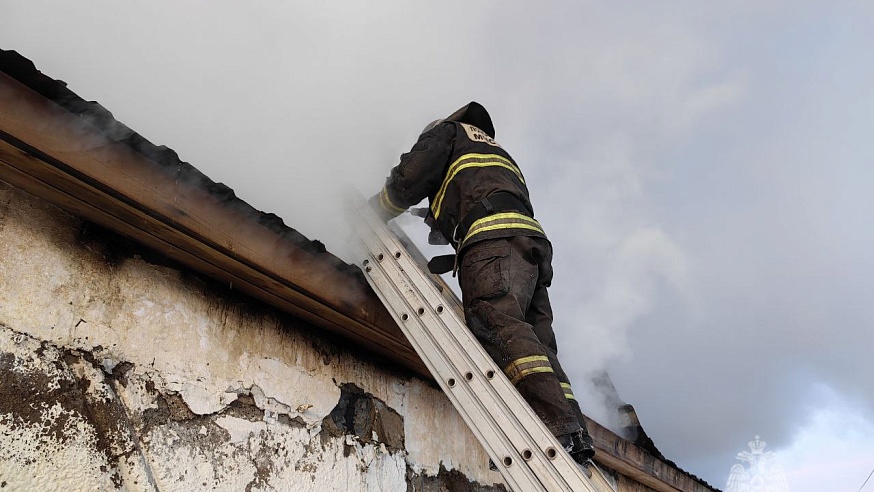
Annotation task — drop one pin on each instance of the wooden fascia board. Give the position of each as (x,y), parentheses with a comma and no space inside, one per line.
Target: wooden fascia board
(53,154)
(630,460)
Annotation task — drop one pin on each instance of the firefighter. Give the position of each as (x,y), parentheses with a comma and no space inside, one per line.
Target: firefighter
(479,204)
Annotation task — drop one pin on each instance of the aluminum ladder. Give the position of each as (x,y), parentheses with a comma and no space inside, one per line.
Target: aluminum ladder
(526,454)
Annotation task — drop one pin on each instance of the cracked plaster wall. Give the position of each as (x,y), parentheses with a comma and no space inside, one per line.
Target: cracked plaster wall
(119,371)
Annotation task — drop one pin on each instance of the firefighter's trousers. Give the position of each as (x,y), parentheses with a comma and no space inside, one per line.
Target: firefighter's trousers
(503,284)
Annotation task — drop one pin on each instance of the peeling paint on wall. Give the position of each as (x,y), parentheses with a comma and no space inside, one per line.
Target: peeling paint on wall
(120,371)
(58,423)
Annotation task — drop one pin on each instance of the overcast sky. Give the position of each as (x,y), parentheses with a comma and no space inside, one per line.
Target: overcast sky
(704,172)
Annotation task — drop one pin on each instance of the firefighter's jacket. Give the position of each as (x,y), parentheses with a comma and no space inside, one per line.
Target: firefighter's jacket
(455,165)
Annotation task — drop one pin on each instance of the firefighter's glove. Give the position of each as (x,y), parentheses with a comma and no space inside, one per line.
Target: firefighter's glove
(435,237)
(383,214)
(419,211)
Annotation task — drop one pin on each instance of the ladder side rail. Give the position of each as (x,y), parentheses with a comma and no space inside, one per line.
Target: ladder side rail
(481,422)
(528,434)
(454,354)
(420,261)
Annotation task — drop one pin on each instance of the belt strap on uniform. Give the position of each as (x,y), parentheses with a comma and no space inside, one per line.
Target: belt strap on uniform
(500,201)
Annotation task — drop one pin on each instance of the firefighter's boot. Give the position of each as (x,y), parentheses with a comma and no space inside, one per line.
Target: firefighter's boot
(579,445)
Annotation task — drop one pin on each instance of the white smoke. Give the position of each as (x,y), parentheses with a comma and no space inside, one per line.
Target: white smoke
(702,170)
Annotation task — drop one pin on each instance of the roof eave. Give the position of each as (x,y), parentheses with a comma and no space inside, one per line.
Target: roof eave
(64,159)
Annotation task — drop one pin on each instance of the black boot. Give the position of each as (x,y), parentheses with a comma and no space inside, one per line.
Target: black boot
(585,446)
(579,445)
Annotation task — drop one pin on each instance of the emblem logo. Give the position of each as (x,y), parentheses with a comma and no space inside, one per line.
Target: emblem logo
(763,473)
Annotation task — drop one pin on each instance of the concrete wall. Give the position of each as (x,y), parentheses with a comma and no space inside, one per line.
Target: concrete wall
(120,371)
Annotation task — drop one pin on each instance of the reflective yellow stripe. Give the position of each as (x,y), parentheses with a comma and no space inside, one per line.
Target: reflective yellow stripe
(514,225)
(524,360)
(568,392)
(468,161)
(506,220)
(524,366)
(503,216)
(528,372)
(386,203)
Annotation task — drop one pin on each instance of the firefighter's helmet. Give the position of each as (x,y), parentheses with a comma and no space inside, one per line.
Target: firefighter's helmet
(472,114)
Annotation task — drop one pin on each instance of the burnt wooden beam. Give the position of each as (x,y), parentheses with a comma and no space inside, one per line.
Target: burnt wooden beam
(634,462)
(64,159)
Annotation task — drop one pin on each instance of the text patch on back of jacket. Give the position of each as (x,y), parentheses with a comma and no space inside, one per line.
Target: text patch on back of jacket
(478,135)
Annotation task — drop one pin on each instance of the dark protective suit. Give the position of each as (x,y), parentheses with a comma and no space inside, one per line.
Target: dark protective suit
(503,256)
